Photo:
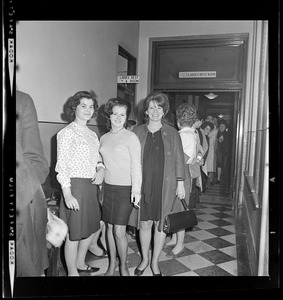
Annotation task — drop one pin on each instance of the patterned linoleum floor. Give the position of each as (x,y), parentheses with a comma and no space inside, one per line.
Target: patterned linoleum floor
(210,248)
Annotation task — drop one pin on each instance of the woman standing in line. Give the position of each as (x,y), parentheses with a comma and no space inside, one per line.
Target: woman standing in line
(187,123)
(121,153)
(79,170)
(163,178)
(222,149)
(204,131)
(211,157)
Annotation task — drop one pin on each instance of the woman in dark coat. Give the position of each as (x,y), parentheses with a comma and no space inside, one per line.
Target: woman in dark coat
(163,178)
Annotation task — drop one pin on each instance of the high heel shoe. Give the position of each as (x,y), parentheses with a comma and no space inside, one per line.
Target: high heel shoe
(159,274)
(156,274)
(103,255)
(139,272)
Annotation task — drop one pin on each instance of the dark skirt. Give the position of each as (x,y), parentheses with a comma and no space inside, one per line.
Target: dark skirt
(86,220)
(117,206)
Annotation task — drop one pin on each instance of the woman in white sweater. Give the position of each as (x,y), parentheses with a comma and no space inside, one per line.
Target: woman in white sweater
(121,153)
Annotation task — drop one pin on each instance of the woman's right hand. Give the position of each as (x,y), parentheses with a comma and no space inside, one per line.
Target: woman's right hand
(72,202)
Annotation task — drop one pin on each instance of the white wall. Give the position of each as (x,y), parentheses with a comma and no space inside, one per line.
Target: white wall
(56,59)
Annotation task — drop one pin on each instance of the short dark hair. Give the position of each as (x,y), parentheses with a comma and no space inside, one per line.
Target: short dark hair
(75,100)
(160,99)
(108,110)
(207,123)
(186,114)
(222,121)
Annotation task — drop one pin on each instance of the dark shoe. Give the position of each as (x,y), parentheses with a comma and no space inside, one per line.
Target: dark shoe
(139,272)
(155,274)
(89,269)
(104,254)
(217,181)
(171,254)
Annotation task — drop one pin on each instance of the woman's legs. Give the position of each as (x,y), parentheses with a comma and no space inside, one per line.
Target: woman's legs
(219,169)
(145,239)
(159,238)
(173,240)
(112,250)
(71,251)
(93,247)
(103,235)
(122,247)
(82,250)
(180,242)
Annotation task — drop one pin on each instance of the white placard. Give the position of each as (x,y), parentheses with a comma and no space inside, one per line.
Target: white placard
(198,74)
(128,79)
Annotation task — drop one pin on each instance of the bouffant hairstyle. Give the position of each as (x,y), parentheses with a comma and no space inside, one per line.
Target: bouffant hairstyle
(108,110)
(206,123)
(186,114)
(75,100)
(160,99)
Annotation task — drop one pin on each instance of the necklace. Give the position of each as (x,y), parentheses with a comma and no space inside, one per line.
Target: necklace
(111,131)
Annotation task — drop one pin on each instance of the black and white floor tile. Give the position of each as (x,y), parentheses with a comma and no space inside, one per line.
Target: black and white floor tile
(210,248)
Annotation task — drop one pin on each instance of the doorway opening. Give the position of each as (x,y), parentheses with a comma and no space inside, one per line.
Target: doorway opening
(223,106)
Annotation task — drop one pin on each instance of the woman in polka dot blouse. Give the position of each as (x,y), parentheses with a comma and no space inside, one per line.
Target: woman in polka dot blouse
(80,171)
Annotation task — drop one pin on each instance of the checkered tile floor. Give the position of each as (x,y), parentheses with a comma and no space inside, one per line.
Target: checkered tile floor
(210,248)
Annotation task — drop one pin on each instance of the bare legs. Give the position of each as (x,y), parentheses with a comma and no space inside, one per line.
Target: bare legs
(180,242)
(145,239)
(75,252)
(94,248)
(117,239)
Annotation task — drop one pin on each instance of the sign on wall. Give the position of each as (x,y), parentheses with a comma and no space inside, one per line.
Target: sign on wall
(198,74)
(128,79)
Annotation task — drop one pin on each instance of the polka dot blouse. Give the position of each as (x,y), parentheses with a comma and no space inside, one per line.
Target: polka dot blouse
(77,153)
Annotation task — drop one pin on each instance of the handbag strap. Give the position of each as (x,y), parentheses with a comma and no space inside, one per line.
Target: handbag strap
(183,202)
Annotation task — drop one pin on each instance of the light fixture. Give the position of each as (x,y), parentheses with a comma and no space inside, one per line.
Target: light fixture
(211,96)
(220,116)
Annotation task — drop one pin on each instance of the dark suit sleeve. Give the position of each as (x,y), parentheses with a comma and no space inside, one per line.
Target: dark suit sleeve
(31,142)
(32,166)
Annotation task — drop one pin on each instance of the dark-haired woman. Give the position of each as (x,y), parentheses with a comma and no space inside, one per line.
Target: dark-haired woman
(163,178)
(80,170)
(121,152)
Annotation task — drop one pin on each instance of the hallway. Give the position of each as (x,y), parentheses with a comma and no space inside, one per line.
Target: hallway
(212,248)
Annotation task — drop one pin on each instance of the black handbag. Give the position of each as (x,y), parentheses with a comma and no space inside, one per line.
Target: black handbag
(175,222)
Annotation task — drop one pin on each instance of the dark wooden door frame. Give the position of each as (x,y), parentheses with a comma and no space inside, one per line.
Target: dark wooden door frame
(238,88)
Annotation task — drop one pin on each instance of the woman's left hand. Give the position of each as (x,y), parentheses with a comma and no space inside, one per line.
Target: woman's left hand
(135,199)
(181,190)
(98,177)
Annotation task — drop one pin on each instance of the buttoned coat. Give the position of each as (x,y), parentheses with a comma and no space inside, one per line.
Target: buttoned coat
(174,169)
(32,170)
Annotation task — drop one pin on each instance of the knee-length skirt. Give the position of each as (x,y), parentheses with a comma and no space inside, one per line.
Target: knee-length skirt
(117,206)
(86,220)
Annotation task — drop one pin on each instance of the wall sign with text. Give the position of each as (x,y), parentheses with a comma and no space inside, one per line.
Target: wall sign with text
(128,79)
(198,74)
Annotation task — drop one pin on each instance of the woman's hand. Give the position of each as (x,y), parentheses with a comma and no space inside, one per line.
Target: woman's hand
(70,200)
(135,199)
(181,190)
(98,177)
